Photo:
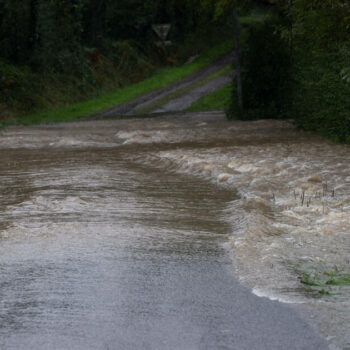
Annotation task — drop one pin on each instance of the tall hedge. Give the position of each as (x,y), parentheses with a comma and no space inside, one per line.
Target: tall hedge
(300,68)
(321,96)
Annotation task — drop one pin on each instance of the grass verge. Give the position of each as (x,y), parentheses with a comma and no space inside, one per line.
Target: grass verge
(218,100)
(322,282)
(160,79)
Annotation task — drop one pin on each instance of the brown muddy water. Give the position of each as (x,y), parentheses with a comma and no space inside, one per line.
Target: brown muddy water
(276,200)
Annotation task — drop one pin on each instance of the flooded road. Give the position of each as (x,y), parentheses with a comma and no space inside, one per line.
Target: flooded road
(128,234)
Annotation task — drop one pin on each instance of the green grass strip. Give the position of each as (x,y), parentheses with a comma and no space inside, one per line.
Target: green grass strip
(217,100)
(117,97)
(180,92)
(323,282)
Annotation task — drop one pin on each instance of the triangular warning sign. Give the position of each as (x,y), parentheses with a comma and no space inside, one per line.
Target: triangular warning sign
(162,30)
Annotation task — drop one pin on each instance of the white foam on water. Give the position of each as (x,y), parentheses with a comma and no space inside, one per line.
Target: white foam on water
(276,297)
(294,206)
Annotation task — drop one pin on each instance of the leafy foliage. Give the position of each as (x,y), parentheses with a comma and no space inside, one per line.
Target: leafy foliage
(321,97)
(319,34)
(88,45)
(315,36)
(16,84)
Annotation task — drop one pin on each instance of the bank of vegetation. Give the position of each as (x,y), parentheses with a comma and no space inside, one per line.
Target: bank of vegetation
(56,53)
(296,65)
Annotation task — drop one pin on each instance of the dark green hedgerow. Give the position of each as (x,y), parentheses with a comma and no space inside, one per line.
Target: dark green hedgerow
(309,84)
(321,95)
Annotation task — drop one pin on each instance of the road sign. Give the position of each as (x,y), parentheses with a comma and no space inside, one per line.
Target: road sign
(162,30)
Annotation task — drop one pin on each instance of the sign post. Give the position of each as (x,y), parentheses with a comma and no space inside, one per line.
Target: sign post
(162,30)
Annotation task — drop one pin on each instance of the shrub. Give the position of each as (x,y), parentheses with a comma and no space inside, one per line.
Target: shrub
(321,94)
(18,87)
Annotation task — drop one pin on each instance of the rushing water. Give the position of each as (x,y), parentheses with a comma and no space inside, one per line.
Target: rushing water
(80,199)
